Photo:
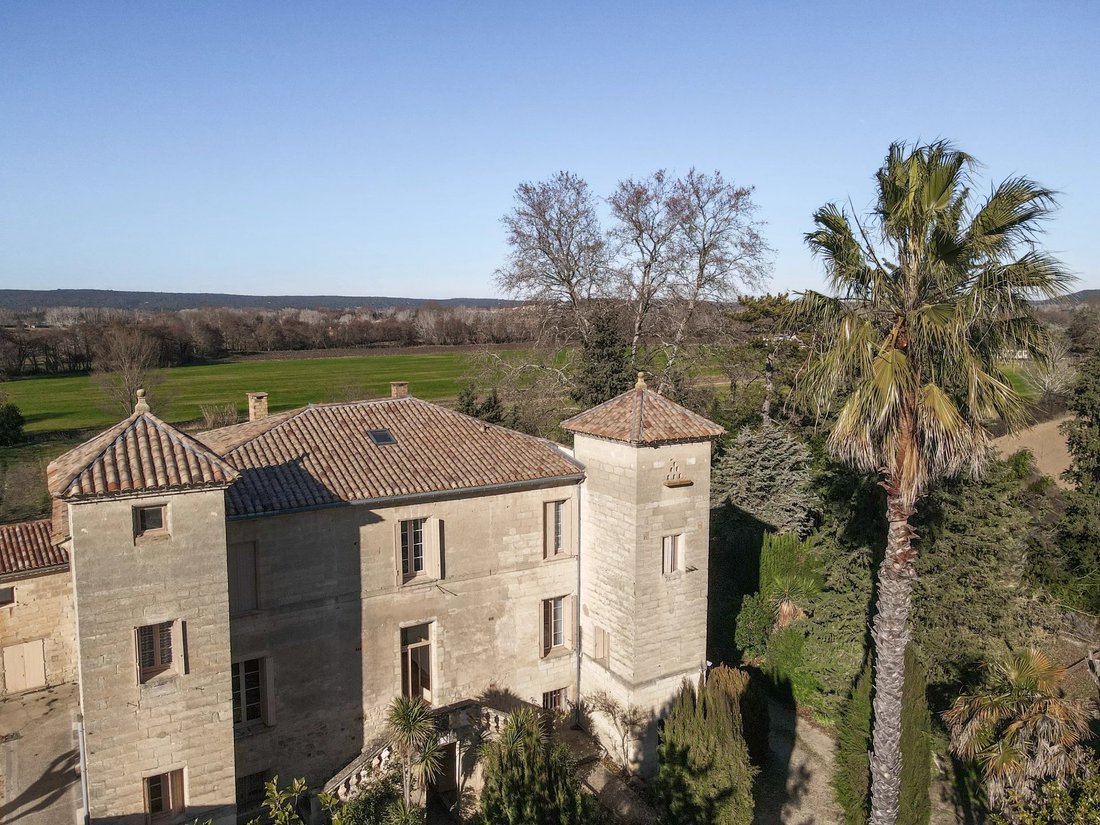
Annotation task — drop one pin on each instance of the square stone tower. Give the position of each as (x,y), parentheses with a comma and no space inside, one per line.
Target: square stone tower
(143,507)
(645,531)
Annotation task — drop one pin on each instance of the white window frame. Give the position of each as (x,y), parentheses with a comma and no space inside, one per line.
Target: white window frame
(556,624)
(557,529)
(672,553)
(405,545)
(556,701)
(238,677)
(411,650)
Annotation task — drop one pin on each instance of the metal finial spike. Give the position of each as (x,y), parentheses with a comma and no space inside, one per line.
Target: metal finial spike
(640,385)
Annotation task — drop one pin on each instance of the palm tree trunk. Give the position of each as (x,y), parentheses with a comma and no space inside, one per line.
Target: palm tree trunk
(890,632)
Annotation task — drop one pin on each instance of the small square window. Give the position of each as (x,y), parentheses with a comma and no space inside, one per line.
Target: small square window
(150,520)
(7,596)
(381,437)
(556,700)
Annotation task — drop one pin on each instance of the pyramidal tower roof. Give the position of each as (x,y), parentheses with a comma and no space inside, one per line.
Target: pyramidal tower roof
(139,454)
(642,416)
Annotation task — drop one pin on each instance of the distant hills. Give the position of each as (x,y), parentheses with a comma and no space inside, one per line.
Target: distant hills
(25,300)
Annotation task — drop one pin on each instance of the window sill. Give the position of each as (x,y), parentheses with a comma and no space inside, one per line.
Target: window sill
(161,683)
(560,652)
(152,537)
(564,554)
(243,730)
(421,579)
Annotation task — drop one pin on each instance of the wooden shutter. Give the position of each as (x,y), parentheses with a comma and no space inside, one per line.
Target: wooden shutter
(242,578)
(569,617)
(569,527)
(547,529)
(547,626)
(399,577)
(433,547)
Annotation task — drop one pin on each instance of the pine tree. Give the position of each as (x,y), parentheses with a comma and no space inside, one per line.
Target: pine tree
(604,370)
(705,775)
(766,473)
(467,401)
(851,777)
(531,780)
(1083,430)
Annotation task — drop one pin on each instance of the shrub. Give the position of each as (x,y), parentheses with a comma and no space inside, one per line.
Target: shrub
(531,780)
(704,774)
(11,425)
(785,666)
(753,624)
(851,774)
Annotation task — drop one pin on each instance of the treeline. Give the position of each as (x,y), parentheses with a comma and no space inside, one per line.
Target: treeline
(69,339)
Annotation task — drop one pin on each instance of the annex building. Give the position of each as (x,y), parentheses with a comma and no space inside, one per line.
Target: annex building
(246,601)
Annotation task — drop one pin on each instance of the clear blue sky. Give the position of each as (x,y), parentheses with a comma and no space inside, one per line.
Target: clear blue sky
(361,148)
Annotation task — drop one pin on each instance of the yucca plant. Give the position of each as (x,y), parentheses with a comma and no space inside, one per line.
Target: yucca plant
(1020,729)
(414,739)
(928,295)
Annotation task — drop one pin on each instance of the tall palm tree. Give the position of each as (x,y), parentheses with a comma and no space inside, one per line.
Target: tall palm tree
(1020,729)
(928,295)
(414,739)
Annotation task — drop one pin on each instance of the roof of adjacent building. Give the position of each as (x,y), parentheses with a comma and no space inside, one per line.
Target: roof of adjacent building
(26,547)
(641,416)
(138,455)
(323,454)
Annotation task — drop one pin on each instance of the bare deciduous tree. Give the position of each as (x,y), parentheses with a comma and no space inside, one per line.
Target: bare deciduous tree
(125,361)
(558,252)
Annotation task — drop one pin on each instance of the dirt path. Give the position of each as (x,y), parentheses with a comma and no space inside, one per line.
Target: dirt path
(794,788)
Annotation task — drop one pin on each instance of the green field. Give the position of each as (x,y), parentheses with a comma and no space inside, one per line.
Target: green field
(76,403)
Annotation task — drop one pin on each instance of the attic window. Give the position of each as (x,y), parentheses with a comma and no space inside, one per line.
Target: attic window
(381,437)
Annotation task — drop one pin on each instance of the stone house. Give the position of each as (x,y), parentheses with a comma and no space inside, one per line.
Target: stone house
(247,601)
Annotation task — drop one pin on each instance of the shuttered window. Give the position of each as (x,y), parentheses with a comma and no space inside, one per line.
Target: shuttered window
(160,648)
(557,529)
(243,591)
(412,547)
(164,796)
(557,624)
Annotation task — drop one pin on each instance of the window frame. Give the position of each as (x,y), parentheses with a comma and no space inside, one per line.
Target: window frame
(556,700)
(148,673)
(171,782)
(601,646)
(407,529)
(8,602)
(409,650)
(239,692)
(557,529)
(672,562)
(140,532)
(552,611)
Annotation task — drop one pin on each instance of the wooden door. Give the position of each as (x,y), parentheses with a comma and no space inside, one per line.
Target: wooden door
(24,666)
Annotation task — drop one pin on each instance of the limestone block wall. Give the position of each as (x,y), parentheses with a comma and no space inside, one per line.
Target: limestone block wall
(181,720)
(43,610)
(331,612)
(655,623)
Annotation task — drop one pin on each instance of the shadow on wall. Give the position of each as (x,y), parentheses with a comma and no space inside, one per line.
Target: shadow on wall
(736,539)
(42,793)
(308,628)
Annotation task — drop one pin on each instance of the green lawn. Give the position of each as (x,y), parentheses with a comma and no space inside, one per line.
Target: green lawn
(76,403)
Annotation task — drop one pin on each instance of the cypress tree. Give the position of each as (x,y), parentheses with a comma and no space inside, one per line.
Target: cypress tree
(705,775)
(531,780)
(604,368)
(851,778)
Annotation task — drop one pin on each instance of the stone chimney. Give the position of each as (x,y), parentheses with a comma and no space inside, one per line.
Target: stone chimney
(399,389)
(257,405)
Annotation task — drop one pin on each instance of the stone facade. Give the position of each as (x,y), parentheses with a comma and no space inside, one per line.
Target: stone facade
(654,621)
(292,631)
(182,718)
(42,612)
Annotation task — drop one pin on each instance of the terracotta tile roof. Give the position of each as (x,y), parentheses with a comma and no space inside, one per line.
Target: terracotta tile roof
(642,416)
(27,548)
(323,454)
(140,454)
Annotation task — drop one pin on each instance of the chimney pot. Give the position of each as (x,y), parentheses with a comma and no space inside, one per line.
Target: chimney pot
(399,389)
(257,405)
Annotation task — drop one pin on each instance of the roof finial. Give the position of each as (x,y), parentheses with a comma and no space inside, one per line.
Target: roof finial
(640,385)
(141,406)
